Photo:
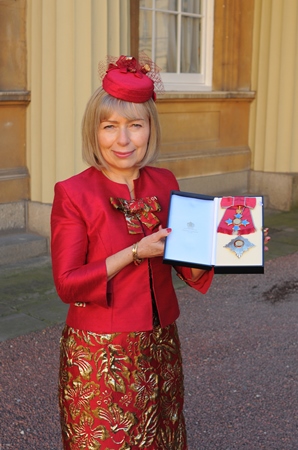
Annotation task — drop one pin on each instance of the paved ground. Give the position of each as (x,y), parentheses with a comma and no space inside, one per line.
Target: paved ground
(239,345)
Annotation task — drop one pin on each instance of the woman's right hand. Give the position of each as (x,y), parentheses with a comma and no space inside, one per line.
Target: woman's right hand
(154,244)
(148,247)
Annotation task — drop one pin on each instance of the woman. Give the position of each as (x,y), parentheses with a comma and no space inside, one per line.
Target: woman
(121,381)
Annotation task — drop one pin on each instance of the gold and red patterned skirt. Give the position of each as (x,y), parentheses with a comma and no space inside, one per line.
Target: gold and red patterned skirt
(122,391)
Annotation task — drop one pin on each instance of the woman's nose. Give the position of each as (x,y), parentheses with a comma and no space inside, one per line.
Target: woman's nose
(123,137)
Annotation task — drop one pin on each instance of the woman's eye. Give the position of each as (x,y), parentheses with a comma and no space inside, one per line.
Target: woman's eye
(136,125)
(108,127)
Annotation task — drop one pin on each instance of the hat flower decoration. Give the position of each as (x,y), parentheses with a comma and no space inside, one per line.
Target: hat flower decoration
(131,80)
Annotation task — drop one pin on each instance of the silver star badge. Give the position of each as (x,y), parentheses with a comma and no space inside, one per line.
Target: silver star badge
(239,245)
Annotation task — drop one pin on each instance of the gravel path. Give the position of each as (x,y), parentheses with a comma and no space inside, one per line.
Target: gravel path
(240,345)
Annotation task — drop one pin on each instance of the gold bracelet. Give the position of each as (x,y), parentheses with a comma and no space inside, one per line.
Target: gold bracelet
(137,261)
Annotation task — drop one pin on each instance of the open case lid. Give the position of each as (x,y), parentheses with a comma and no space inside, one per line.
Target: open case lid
(221,232)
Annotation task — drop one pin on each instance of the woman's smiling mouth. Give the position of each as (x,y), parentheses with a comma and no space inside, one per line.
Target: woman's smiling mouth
(123,154)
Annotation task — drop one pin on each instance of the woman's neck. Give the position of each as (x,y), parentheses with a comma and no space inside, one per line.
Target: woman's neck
(122,177)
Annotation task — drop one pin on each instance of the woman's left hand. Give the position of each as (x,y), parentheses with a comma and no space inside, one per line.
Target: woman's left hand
(266,239)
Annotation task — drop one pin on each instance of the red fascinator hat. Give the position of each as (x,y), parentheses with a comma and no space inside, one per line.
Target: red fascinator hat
(131,80)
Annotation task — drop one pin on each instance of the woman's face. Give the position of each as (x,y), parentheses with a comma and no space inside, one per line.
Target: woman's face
(123,142)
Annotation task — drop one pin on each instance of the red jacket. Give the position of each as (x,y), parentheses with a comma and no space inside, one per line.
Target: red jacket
(86,229)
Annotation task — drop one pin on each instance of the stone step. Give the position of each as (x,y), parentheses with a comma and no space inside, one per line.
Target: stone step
(20,246)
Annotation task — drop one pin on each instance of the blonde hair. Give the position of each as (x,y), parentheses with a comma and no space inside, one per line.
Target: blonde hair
(100,107)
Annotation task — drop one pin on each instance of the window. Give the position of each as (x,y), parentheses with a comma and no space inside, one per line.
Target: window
(178,36)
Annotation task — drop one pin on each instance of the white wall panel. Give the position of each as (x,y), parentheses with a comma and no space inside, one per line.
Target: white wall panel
(48,99)
(274,116)
(34,127)
(66,40)
(113,27)
(294,119)
(288,79)
(99,37)
(82,71)
(65,94)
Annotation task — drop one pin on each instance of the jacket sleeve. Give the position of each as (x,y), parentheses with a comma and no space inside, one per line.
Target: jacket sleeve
(76,280)
(203,283)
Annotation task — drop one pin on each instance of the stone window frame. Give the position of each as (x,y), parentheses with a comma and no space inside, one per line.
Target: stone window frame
(232,43)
